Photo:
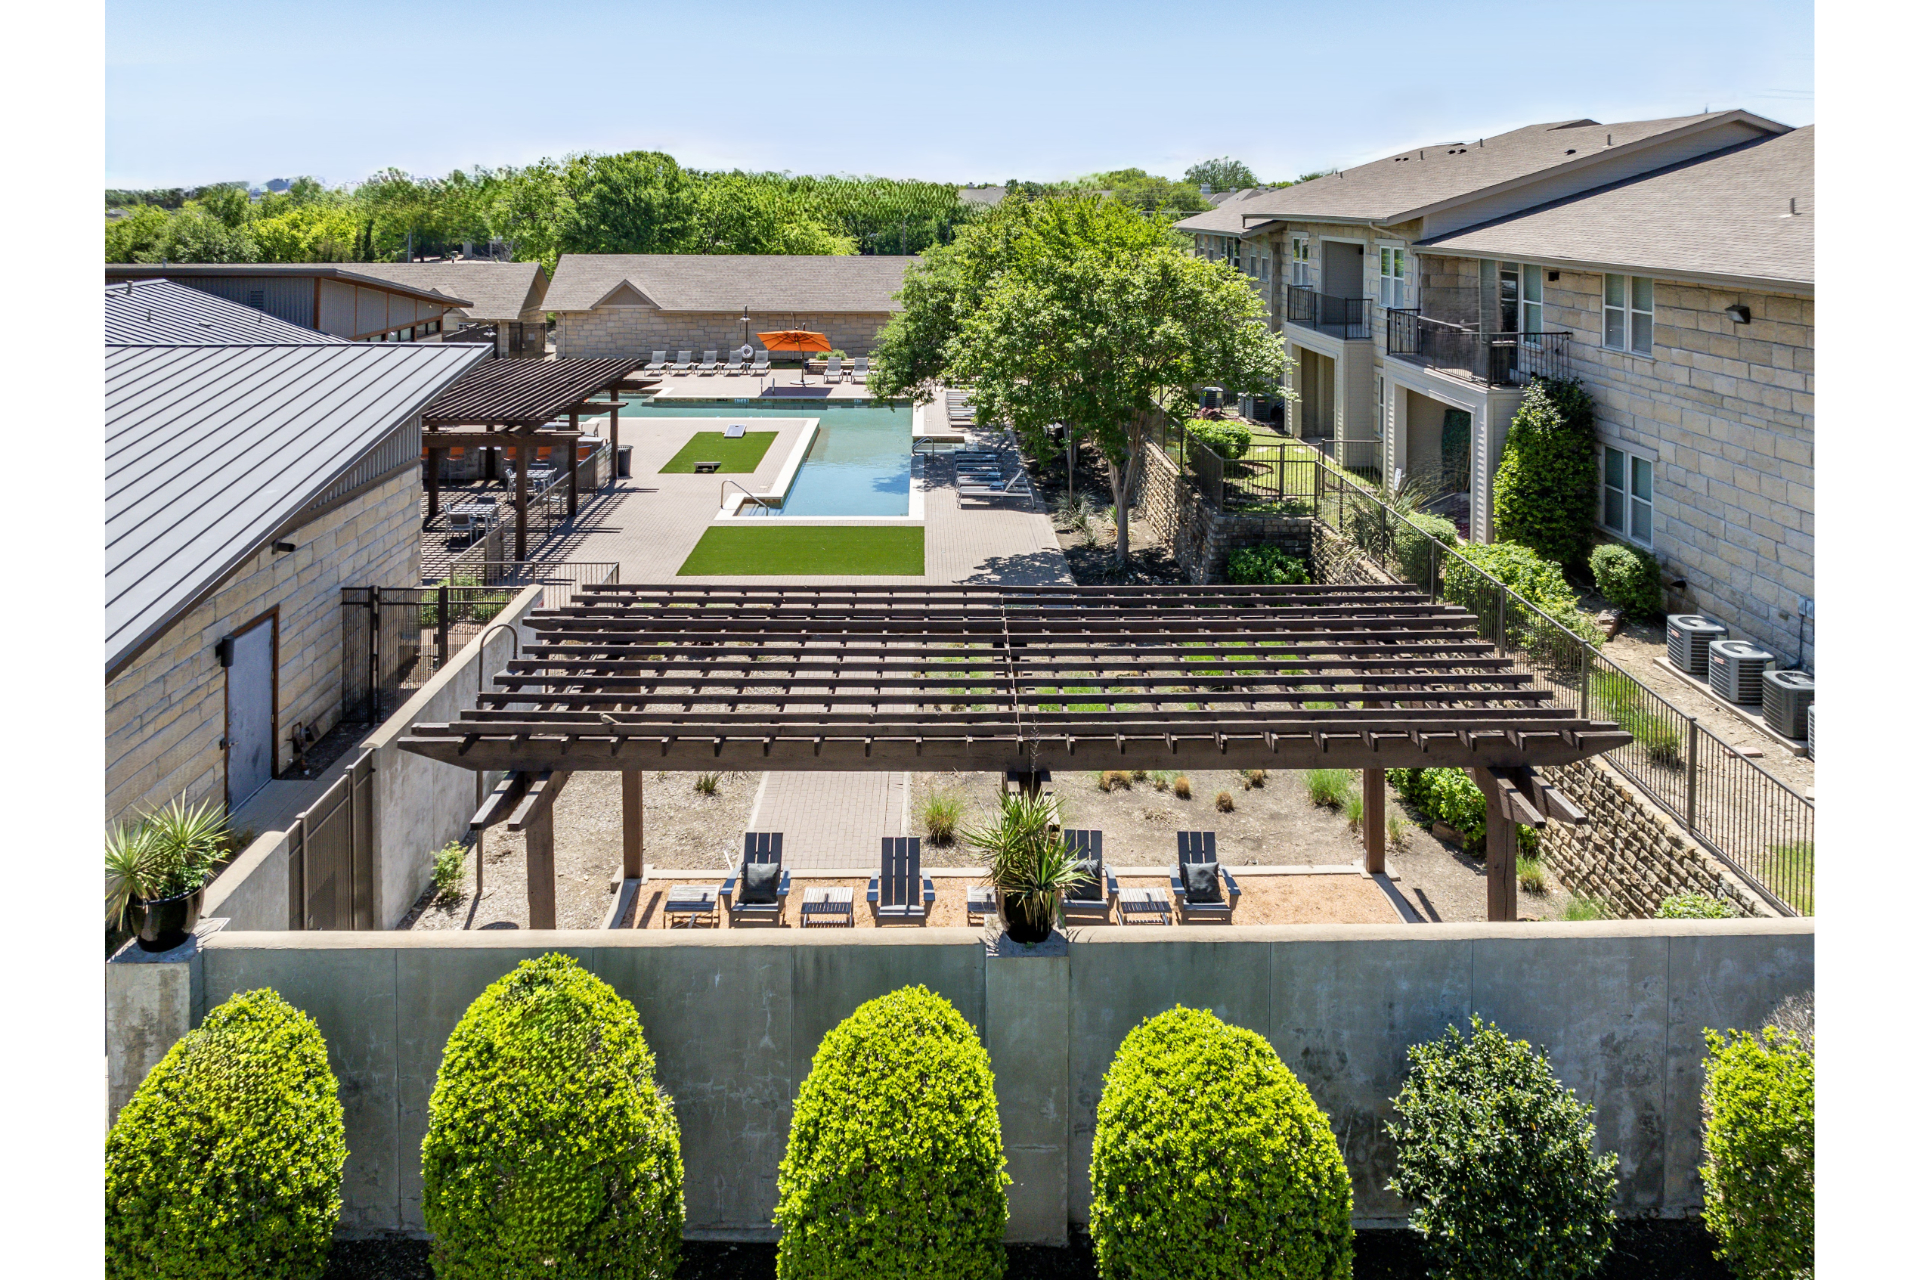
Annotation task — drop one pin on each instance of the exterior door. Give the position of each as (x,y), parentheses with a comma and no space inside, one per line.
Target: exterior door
(250,712)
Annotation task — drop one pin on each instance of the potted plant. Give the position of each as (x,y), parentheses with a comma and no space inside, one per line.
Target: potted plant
(157,872)
(1029,866)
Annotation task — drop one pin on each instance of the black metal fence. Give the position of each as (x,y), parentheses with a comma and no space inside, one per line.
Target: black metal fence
(330,855)
(1491,359)
(1273,477)
(1753,821)
(1336,317)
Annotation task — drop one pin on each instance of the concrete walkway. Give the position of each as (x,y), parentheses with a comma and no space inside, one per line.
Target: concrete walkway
(832,820)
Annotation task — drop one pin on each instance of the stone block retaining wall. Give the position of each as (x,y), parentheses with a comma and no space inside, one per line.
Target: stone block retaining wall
(1203,538)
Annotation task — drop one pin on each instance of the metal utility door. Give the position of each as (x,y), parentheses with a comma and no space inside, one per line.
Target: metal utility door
(250,713)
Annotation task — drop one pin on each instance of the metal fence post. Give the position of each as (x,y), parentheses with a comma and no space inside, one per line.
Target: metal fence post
(373,655)
(440,631)
(1693,768)
(1500,620)
(1586,679)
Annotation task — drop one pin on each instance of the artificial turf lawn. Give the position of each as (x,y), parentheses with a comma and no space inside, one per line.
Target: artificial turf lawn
(740,454)
(808,549)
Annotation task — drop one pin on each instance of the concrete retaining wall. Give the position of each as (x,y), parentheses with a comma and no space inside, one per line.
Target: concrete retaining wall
(735,1018)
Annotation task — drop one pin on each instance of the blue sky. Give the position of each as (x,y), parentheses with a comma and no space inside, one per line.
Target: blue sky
(952,91)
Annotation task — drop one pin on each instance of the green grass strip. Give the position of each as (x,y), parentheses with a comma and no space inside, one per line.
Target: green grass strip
(794,550)
(740,454)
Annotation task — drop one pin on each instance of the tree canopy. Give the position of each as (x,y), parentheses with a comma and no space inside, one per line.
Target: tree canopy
(1223,174)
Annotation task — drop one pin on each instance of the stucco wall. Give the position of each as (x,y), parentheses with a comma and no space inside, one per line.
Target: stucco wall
(1617,1007)
(166,714)
(640,331)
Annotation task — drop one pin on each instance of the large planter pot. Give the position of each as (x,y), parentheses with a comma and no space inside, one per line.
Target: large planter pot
(161,924)
(1018,927)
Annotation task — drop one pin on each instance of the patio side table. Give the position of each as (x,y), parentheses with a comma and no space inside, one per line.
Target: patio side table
(693,904)
(1145,906)
(981,903)
(827,906)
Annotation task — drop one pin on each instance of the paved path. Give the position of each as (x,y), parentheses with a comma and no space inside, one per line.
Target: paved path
(832,819)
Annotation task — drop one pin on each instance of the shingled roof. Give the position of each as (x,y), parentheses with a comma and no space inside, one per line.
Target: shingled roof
(1744,215)
(727,282)
(1425,179)
(160,312)
(495,290)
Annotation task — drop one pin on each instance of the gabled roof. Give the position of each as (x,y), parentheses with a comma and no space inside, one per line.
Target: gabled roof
(146,312)
(1224,218)
(211,450)
(1744,215)
(352,273)
(496,290)
(727,282)
(1426,179)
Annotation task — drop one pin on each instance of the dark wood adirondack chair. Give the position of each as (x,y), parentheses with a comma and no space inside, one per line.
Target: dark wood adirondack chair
(763,847)
(1089,899)
(899,891)
(1199,847)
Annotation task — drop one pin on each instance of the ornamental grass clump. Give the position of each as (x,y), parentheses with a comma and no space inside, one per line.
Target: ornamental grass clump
(1211,1160)
(1757,1104)
(226,1161)
(1496,1158)
(550,1149)
(894,1167)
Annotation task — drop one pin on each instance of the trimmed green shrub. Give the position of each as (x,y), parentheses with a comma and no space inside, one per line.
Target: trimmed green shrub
(1229,439)
(1543,493)
(1757,1104)
(1414,553)
(550,1151)
(226,1161)
(1539,582)
(1629,578)
(894,1167)
(1211,1160)
(1694,905)
(1266,566)
(1495,1157)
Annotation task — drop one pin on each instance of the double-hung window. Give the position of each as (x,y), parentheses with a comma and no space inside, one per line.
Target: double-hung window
(1626,501)
(1302,265)
(1627,314)
(1393,277)
(1533,319)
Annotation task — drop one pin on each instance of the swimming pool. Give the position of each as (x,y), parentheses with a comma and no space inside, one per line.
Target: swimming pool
(859,464)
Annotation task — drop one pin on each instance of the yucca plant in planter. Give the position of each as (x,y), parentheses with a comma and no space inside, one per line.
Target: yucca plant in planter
(1029,866)
(157,872)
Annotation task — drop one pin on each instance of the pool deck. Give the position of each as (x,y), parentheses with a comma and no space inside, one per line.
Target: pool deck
(652,521)
(685,386)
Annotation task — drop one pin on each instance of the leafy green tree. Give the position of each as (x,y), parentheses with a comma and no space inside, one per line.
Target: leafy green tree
(308,233)
(199,234)
(1543,492)
(1079,310)
(1757,1104)
(760,213)
(138,236)
(634,202)
(1222,174)
(1151,194)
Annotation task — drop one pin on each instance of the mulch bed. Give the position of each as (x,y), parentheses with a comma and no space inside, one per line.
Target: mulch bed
(1642,1250)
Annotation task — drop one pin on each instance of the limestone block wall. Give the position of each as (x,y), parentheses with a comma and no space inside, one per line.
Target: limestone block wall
(1631,855)
(166,713)
(1201,537)
(640,331)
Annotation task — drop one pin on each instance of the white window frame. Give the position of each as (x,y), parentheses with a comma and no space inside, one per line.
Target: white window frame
(1393,275)
(1533,304)
(1631,501)
(1302,263)
(1625,324)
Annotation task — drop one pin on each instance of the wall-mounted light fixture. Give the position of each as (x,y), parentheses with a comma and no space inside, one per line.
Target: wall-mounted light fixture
(223,650)
(1741,313)
(284,547)
(1553,275)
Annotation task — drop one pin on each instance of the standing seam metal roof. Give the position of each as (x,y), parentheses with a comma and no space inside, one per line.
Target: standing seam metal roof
(211,449)
(148,312)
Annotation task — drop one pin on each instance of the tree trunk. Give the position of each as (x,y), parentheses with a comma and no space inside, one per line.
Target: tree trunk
(1117,481)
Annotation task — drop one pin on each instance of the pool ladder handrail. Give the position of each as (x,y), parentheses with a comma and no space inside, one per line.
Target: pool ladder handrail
(746,496)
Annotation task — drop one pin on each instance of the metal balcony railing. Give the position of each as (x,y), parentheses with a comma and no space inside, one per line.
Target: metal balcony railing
(1490,359)
(1335,317)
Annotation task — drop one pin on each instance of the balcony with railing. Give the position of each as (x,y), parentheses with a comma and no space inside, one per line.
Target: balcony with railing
(1490,359)
(1324,313)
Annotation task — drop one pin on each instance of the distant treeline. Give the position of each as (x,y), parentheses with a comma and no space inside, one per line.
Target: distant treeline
(632,202)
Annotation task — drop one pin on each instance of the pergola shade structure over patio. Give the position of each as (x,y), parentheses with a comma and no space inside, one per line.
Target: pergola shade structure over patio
(509,404)
(1023,679)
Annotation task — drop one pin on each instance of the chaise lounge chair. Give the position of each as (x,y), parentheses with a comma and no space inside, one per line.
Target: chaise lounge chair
(758,887)
(833,368)
(658,364)
(684,364)
(760,365)
(709,363)
(735,364)
(1089,899)
(898,891)
(1202,888)
(860,369)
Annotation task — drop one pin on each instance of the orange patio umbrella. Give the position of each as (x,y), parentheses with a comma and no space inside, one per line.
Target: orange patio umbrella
(796,340)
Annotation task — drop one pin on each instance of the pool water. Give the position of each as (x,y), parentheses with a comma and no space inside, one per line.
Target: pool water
(860,463)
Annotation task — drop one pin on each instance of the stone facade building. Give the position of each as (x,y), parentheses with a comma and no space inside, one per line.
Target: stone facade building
(253,470)
(613,305)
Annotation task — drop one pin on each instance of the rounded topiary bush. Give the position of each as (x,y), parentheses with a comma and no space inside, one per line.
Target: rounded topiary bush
(1544,489)
(226,1161)
(893,1166)
(1211,1160)
(1758,1107)
(550,1151)
(1629,578)
(1496,1159)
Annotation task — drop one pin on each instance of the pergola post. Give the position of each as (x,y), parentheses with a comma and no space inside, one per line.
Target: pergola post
(541,889)
(573,466)
(633,854)
(1503,851)
(433,482)
(613,438)
(522,455)
(1373,821)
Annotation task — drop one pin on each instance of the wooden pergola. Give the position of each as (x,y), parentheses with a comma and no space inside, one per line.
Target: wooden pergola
(510,404)
(629,677)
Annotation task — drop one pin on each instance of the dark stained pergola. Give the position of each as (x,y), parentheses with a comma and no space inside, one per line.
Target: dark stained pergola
(1022,680)
(508,404)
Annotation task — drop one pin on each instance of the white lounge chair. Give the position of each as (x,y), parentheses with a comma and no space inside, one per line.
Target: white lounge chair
(684,363)
(709,363)
(760,364)
(658,364)
(734,365)
(833,368)
(859,369)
